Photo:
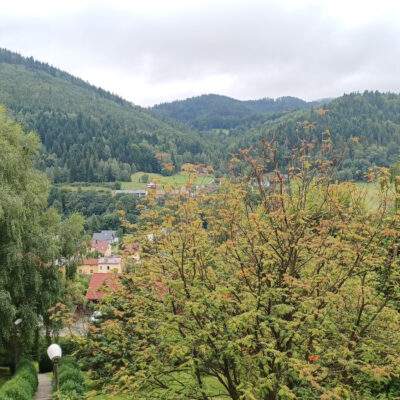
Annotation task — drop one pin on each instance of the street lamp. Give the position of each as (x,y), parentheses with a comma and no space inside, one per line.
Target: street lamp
(54,352)
(16,323)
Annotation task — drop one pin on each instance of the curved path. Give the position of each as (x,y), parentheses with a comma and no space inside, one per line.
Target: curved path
(44,388)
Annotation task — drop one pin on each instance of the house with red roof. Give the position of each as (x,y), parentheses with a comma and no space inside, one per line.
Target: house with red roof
(89,266)
(104,248)
(100,285)
(110,264)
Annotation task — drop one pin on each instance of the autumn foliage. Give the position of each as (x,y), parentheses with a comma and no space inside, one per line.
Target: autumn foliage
(281,291)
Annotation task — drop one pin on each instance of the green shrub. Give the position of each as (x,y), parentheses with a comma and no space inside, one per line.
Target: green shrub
(30,379)
(23,385)
(45,364)
(71,375)
(71,379)
(17,389)
(67,396)
(68,360)
(25,364)
(69,386)
(67,345)
(27,372)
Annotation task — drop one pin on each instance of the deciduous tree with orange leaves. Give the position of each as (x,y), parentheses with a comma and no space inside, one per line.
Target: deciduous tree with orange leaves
(281,291)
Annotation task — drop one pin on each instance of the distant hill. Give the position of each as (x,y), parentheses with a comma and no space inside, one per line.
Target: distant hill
(364,129)
(88,133)
(91,135)
(213,111)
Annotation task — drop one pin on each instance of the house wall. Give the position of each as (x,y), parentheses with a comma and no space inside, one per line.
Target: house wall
(87,269)
(107,253)
(106,268)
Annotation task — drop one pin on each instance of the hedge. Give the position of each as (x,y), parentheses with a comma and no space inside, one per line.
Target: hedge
(23,385)
(45,364)
(71,379)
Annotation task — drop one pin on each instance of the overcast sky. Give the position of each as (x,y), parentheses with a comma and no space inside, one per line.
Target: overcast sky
(153,51)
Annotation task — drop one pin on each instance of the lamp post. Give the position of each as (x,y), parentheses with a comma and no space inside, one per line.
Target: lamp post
(16,323)
(54,352)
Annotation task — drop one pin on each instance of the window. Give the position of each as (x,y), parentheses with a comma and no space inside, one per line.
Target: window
(108,267)
(91,271)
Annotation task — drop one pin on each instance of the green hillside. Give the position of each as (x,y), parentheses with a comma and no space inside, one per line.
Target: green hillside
(89,134)
(213,111)
(364,129)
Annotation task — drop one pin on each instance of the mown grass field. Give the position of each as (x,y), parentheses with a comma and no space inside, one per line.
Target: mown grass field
(175,180)
(372,194)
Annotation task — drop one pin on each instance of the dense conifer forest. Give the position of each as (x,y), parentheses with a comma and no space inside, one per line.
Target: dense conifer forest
(87,133)
(221,112)
(90,135)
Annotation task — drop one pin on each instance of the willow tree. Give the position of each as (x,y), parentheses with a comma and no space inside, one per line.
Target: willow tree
(29,280)
(280,290)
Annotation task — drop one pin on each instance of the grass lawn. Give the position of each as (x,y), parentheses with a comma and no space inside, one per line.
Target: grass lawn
(176,180)
(372,194)
(4,375)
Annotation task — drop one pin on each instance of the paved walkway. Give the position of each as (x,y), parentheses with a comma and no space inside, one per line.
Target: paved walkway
(44,388)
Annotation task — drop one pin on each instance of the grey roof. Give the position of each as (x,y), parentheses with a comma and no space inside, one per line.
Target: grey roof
(139,192)
(110,260)
(105,236)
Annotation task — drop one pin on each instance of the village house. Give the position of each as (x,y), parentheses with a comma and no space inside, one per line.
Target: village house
(104,248)
(109,264)
(106,236)
(89,266)
(100,285)
(138,193)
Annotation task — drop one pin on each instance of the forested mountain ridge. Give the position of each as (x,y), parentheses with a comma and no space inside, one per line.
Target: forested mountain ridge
(364,130)
(213,111)
(89,134)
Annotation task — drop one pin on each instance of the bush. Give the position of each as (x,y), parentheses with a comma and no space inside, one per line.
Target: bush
(144,178)
(71,379)
(45,364)
(71,375)
(23,385)
(68,347)
(16,391)
(68,360)
(70,386)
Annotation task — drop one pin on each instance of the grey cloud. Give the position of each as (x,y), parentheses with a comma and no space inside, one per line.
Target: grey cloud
(267,51)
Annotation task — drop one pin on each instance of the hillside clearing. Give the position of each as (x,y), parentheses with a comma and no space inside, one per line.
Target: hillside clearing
(175,180)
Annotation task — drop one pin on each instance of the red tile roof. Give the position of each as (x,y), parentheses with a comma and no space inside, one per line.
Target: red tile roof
(98,279)
(90,261)
(101,247)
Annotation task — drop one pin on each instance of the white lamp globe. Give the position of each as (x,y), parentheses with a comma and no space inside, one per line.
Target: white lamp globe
(54,351)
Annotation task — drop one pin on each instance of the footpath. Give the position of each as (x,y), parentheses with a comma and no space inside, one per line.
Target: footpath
(44,388)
